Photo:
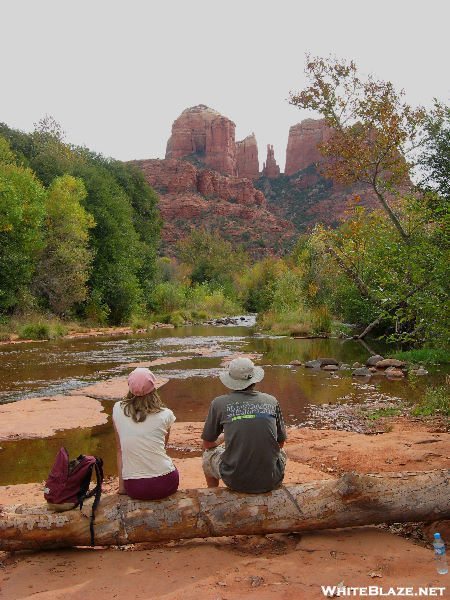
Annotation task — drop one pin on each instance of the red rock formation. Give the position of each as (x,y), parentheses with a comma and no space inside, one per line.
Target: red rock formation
(302,148)
(247,157)
(207,134)
(270,167)
(229,205)
(169,175)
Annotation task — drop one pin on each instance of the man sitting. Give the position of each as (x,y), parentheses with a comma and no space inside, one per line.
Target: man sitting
(253,460)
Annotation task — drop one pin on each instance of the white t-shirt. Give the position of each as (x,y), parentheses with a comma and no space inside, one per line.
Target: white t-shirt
(142,444)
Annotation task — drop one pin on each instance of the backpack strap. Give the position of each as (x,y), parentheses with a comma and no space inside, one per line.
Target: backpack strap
(97,491)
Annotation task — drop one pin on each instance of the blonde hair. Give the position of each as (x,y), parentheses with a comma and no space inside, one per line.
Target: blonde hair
(138,407)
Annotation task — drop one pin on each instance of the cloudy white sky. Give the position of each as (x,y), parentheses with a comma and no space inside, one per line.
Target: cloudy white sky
(117,74)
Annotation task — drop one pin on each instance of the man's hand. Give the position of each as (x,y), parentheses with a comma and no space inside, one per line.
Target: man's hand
(209,445)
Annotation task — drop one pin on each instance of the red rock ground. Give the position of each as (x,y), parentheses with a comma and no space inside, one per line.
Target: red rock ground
(284,566)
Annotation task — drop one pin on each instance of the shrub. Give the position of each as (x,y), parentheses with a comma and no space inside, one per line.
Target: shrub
(35,331)
(288,294)
(321,319)
(177,319)
(96,310)
(426,356)
(295,322)
(167,296)
(434,401)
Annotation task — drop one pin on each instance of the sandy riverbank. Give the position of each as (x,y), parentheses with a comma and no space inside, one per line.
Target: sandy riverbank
(260,567)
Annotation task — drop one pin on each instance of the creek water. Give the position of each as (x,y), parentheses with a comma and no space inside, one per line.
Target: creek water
(55,367)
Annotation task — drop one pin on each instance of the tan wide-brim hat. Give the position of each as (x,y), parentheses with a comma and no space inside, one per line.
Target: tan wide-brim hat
(241,373)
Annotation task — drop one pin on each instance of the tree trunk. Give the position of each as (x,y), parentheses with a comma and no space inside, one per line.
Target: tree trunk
(351,273)
(389,309)
(351,500)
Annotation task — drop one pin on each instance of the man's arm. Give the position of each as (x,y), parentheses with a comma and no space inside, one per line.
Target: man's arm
(212,430)
(208,445)
(281,430)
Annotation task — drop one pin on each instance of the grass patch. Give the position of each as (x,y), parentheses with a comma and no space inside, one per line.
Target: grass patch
(296,322)
(383,412)
(41,330)
(434,401)
(426,356)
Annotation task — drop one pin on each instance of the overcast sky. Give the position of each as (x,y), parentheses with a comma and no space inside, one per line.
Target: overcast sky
(117,74)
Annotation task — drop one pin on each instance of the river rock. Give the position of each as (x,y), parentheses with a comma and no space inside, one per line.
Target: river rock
(328,361)
(331,368)
(419,371)
(356,365)
(361,372)
(390,362)
(313,364)
(296,363)
(344,366)
(373,360)
(394,372)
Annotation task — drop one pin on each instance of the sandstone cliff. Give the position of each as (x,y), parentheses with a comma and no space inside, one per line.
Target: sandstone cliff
(270,167)
(192,197)
(218,186)
(247,157)
(302,148)
(205,133)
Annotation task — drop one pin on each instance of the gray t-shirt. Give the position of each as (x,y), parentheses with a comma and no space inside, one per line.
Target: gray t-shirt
(253,425)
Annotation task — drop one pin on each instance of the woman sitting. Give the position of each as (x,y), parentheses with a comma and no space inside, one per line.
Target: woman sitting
(142,426)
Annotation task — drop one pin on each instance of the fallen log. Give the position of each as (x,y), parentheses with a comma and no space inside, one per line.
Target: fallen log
(353,499)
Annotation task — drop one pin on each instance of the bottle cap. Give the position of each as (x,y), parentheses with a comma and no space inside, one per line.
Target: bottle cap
(437,536)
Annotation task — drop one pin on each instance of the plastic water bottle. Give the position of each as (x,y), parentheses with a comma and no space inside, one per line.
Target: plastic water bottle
(439,552)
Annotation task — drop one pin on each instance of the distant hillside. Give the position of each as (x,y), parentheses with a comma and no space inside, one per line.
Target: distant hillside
(307,198)
(191,197)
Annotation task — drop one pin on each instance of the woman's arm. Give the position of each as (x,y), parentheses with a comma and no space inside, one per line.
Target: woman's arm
(166,441)
(119,461)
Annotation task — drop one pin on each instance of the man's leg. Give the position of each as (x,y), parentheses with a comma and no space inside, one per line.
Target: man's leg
(211,481)
(210,463)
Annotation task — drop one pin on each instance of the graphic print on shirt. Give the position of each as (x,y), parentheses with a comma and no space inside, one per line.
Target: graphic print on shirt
(249,410)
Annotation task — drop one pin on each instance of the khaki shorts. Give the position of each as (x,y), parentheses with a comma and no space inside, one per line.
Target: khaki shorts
(212,458)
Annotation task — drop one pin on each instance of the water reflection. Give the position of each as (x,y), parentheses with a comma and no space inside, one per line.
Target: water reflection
(58,366)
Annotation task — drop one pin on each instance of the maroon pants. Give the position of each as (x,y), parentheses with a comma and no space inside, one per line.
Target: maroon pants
(152,488)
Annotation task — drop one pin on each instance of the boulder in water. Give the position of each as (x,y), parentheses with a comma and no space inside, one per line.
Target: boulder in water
(361,372)
(373,360)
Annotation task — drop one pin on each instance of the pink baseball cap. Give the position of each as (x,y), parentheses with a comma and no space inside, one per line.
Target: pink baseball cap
(141,381)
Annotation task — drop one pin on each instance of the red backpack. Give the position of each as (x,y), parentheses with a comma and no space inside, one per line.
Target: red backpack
(69,482)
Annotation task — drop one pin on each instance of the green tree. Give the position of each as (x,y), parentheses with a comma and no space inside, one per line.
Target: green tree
(397,261)
(435,157)
(124,207)
(212,259)
(114,240)
(64,264)
(375,133)
(50,156)
(146,219)
(259,283)
(21,213)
